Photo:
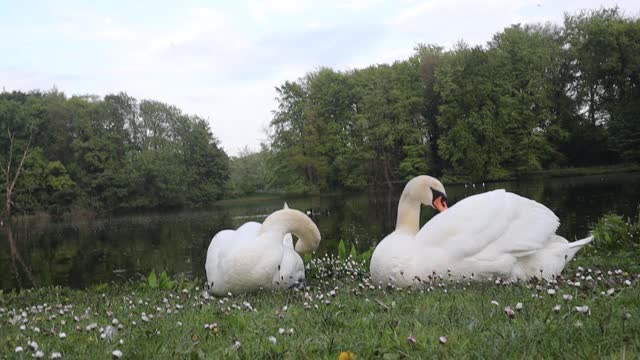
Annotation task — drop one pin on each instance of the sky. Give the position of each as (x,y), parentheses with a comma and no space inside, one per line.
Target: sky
(222,60)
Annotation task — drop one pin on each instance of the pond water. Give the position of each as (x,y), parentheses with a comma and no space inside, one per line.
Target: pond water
(85,252)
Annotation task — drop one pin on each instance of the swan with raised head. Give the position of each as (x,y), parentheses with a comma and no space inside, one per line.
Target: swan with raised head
(489,235)
(261,256)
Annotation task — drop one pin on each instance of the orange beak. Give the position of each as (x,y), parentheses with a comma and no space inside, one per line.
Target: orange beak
(440,204)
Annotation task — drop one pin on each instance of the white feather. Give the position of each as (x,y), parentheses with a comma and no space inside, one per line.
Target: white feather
(258,255)
(494,234)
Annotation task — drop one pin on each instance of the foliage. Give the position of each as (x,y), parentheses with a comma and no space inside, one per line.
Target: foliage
(613,232)
(535,97)
(361,258)
(162,283)
(105,154)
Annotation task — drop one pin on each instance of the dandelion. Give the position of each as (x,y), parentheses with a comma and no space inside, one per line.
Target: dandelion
(346,355)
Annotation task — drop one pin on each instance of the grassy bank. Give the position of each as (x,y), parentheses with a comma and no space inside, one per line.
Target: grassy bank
(597,315)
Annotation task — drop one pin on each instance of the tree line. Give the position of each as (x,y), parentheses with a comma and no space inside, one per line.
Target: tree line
(534,97)
(91,153)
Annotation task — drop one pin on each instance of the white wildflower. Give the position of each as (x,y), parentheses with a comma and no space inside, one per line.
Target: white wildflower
(583,309)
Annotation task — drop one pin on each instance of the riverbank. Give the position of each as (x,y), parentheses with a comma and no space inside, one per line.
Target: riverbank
(592,312)
(580,171)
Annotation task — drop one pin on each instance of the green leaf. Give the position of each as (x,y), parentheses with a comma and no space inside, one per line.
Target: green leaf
(152,281)
(353,252)
(342,250)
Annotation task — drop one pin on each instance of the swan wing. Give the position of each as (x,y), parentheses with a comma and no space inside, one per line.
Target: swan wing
(489,224)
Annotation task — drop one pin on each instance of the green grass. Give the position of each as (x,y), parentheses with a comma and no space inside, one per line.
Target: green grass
(372,323)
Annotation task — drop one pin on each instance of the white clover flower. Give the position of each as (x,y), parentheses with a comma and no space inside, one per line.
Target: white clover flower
(611,291)
(273,339)
(33,345)
(519,306)
(582,309)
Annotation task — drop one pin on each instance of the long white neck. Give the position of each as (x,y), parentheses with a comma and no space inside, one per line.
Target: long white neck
(408,215)
(287,221)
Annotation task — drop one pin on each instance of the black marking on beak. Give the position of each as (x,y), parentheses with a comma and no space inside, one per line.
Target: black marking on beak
(437,194)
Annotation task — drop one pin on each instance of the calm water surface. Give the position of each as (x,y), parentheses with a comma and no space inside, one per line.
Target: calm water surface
(81,253)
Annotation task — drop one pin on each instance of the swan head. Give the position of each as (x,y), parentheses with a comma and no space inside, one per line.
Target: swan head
(428,191)
(291,269)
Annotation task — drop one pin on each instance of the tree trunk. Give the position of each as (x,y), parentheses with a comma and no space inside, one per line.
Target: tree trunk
(7,209)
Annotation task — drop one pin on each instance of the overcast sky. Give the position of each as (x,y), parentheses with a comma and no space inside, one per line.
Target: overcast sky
(222,60)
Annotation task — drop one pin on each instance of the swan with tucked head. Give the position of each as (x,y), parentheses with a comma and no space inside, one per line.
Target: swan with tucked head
(493,234)
(261,256)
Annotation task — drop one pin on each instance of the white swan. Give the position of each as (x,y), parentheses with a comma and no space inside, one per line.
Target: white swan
(261,256)
(494,234)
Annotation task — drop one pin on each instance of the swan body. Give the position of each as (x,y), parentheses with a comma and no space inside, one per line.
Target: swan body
(489,235)
(261,256)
